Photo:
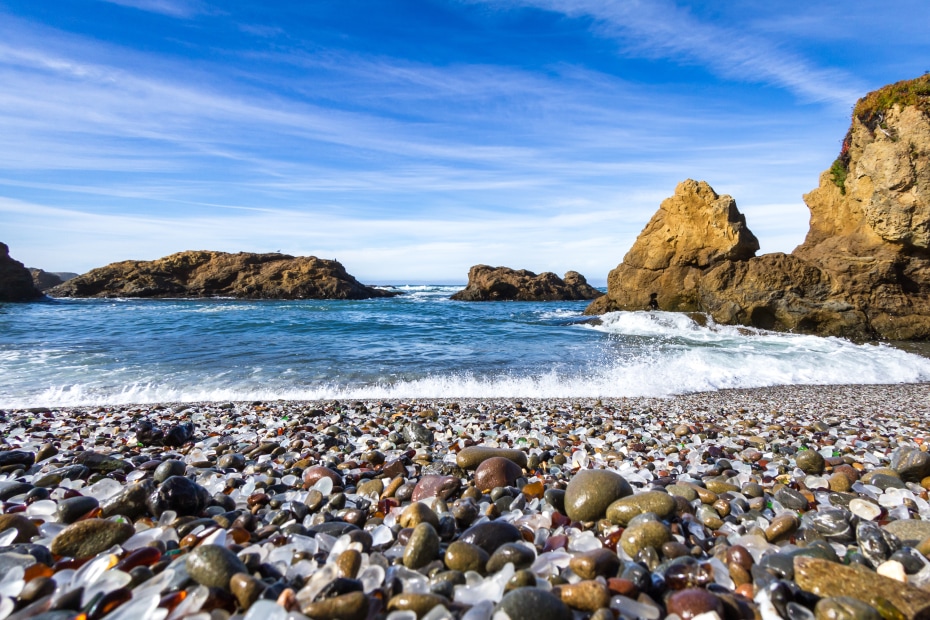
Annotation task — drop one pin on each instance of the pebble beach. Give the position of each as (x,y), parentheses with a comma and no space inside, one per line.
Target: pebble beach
(786,502)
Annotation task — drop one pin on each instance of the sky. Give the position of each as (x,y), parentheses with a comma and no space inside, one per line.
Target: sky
(412,139)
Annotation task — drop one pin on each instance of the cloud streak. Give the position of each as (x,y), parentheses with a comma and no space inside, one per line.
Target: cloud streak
(661,29)
(183,9)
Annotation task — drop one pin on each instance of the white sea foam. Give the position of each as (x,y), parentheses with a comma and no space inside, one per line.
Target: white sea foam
(675,355)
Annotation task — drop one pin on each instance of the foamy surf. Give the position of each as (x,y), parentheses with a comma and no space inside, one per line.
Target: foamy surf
(96,353)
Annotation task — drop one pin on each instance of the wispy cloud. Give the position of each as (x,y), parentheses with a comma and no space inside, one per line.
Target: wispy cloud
(183,9)
(662,29)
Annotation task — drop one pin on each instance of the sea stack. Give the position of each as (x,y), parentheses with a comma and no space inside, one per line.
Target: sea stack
(863,271)
(218,274)
(504,284)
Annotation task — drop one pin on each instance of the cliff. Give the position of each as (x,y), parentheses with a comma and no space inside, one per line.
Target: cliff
(218,274)
(863,270)
(15,280)
(504,284)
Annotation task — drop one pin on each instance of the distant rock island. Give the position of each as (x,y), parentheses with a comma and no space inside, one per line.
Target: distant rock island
(504,284)
(15,280)
(218,274)
(863,271)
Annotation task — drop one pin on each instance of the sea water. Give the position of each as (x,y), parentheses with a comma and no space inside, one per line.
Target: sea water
(418,345)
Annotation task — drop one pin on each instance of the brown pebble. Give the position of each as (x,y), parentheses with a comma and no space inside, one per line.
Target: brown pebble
(392,487)
(351,606)
(781,526)
(416,513)
(597,562)
(419,603)
(288,600)
(738,554)
(246,589)
(348,563)
(587,595)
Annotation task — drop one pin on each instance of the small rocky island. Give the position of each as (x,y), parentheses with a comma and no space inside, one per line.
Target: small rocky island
(15,280)
(218,274)
(863,271)
(504,284)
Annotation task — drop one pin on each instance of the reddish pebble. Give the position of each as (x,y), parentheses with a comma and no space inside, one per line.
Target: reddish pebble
(693,602)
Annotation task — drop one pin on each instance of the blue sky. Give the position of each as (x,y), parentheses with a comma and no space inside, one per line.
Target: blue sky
(413,139)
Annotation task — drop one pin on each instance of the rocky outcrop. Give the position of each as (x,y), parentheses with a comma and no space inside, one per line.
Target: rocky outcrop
(44,280)
(503,284)
(15,280)
(691,231)
(218,274)
(862,272)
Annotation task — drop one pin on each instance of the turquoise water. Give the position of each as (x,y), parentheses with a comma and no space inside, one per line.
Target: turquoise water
(420,344)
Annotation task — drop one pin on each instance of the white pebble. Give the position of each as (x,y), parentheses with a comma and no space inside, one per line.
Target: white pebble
(893,569)
(864,509)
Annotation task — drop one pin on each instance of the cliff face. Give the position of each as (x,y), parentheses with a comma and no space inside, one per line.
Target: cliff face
(15,280)
(504,284)
(862,272)
(218,274)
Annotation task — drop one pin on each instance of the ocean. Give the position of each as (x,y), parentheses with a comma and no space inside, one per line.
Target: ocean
(418,345)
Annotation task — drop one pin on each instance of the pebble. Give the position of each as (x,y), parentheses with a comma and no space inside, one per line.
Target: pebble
(911,463)
(496,471)
(533,604)
(513,553)
(624,509)
(419,603)
(213,566)
(587,595)
(595,563)
(591,491)
(439,509)
(422,547)
(844,608)
(90,537)
(350,606)
(692,602)
(648,534)
(463,556)
(472,456)
(810,462)
(25,529)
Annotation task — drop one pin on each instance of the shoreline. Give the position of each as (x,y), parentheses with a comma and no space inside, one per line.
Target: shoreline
(881,395)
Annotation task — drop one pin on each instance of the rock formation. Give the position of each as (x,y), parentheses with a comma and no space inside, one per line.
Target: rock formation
(503,284)
(15,280)
(691,231)
(218,274)
(44,280)
(862,272)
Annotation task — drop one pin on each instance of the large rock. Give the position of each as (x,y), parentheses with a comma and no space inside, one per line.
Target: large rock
(692,230)
(218,274)
(504,284)
(862,272)
(15,280)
